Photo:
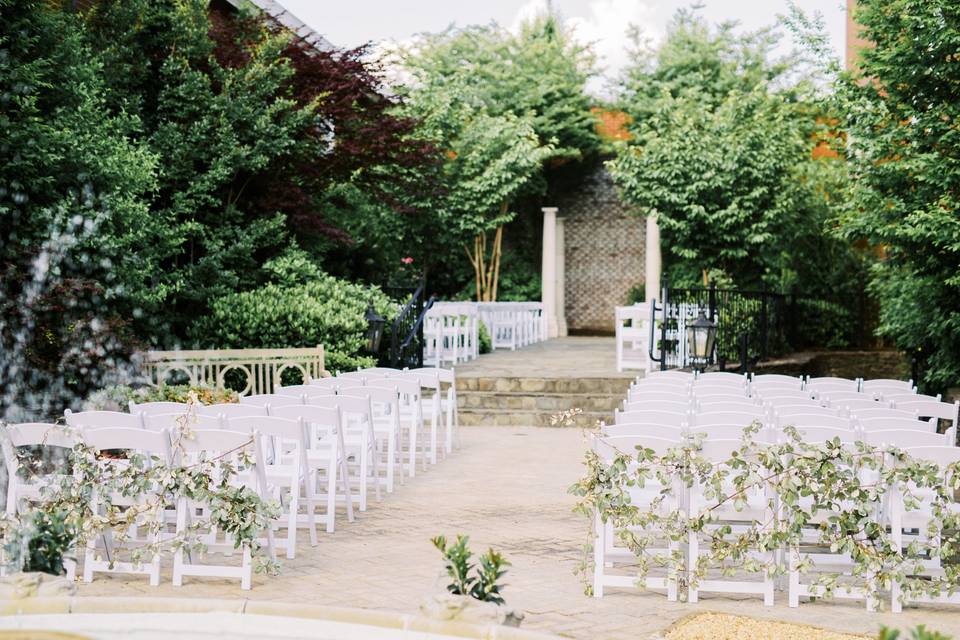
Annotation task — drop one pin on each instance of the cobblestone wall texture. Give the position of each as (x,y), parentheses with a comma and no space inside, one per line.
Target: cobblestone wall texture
(604,253)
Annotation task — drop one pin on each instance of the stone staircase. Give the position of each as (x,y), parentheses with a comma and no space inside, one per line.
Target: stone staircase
(533,401)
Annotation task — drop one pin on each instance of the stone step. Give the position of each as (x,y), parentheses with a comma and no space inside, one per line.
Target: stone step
(519,418)
(543,402)
(567,385)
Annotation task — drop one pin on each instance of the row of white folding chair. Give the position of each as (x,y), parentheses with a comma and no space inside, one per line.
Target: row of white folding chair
(410,387)
(439,405)
(152,445)
(285,437)
(679,499)
(324,456)
(606,554)
(334,440)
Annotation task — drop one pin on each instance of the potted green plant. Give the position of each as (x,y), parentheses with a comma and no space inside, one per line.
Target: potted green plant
(473,593)
(36,550)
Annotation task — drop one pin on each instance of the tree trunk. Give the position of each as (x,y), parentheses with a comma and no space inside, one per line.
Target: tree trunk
(486,270)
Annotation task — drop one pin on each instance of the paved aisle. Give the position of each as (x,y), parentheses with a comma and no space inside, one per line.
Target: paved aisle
(505,488)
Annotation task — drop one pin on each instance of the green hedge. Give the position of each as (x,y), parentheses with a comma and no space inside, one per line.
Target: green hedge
(324,311)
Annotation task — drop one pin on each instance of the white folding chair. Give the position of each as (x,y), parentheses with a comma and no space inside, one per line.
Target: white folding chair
(722,377)
(894,398)
(776,379)
(743,417)
(804,420)
(228,410)
(643,429)
(286,475)
(757,506)
(808,408)
(360,441)
(151,445)
(385,403)
(881,412)
(174,423)
(154,408)
(411,420)
(326,452)
(441,406)
(220,447)
(606,555)
(905,438)
(884,386)
(934,410)
(947,458)
(730,404)
(24,485)
(658,405)
(276,400)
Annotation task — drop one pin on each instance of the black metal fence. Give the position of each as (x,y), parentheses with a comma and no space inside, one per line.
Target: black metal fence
(756,325)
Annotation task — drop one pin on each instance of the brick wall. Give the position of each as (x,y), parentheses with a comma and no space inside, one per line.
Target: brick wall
(604,253)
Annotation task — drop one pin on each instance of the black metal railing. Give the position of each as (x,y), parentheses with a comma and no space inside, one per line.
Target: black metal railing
(761,318)
(406,332)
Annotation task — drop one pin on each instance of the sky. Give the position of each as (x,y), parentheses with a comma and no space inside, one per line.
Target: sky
(350,23)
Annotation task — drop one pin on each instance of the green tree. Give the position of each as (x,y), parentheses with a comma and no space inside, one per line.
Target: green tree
(902,110)
(74,219)
(700,62)
(499,105)
(721,154)
(721,182)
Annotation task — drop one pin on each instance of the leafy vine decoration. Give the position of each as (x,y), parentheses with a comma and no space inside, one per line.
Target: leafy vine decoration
(135,492)
(824,495)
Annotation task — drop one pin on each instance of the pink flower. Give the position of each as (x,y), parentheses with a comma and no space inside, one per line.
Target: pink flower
(407,260)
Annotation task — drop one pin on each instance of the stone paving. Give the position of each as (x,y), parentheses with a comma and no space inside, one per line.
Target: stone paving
(506,488)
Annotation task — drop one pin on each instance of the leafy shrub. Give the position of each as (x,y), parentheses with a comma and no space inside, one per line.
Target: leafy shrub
(483,338)
(918,633)
(40,541)
(637,293)
(484,584)
(117,398)
(323,311)
(823,324)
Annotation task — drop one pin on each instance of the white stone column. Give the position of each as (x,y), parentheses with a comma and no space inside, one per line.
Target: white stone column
(561,263)
(652,255)
(548,276)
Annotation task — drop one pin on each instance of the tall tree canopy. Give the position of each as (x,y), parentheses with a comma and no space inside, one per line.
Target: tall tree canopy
(499,105)
(721,154)
(902,109)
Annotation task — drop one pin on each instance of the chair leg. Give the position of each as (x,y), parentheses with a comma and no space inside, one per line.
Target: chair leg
(391,459)
(293,509)
(793,592)
(375,470)
(332,495)
(247,566)
(345,481)
(182,507)
(598,555)
(364,472)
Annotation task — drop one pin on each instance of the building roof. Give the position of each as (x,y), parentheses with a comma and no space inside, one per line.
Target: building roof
(286,19)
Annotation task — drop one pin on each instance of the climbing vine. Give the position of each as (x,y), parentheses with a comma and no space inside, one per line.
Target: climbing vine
(828,495)
(136,495)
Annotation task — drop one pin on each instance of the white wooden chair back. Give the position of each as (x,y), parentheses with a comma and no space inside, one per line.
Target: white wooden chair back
(152,408)
(905,438)
(174,422)
(814,420)
(669,418)
(643,429)
(84,420)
